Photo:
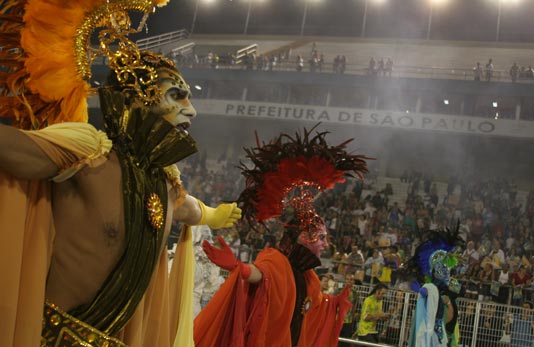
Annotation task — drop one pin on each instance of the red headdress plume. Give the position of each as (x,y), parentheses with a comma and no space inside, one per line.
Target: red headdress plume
(289,163)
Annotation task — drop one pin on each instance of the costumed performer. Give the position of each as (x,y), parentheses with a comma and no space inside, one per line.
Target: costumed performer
(277,301)
(85,215)
(435,322)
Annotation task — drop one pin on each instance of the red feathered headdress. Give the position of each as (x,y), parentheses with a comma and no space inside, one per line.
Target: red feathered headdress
(286,164)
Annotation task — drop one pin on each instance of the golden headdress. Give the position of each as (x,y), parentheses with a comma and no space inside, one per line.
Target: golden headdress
(46,55)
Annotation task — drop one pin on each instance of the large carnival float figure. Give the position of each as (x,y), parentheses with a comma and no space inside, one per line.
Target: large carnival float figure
(277,300)
(435,322)
(85,215)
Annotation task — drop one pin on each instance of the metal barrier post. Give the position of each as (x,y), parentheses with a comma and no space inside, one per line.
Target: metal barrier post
(510,292)
(404,320)
(475,328)
(359,343)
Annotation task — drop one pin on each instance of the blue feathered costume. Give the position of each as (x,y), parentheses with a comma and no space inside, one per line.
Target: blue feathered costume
(435,321)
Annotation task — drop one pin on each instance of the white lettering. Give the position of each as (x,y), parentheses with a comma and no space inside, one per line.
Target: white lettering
(399,120)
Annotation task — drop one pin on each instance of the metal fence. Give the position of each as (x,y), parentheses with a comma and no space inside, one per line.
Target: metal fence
(154,42)
(481,323)
(405,71)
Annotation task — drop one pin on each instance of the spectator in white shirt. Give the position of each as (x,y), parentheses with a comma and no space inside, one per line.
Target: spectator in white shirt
(504,276)
(470,254)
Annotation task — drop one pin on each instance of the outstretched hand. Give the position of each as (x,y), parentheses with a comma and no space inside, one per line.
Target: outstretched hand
(223,216)
(223,257)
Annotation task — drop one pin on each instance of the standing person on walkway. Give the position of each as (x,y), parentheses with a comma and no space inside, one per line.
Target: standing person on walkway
(489,70)
(477,72)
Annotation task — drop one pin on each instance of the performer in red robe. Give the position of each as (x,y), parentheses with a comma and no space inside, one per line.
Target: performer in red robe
(277,300)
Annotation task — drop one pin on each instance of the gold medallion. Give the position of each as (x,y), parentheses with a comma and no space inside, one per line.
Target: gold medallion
(155,211)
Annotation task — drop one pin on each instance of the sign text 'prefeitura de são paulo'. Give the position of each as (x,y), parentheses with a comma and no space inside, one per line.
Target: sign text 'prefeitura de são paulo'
(366,117)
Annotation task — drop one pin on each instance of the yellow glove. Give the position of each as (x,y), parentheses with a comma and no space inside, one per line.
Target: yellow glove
(223,216)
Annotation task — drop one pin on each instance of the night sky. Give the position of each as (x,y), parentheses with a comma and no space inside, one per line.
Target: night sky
(455,20)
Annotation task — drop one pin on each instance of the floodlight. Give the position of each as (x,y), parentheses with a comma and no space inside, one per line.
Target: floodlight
(197,87)
(446,101)
(495,104)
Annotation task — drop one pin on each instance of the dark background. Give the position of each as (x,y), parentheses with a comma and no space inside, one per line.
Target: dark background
(408,19)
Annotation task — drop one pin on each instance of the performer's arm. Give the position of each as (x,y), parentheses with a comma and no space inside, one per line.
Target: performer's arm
(193,212)
(376,317)
(188,212)
(372,317)
(449,313)
(22,157)
(255,274)
(224,258)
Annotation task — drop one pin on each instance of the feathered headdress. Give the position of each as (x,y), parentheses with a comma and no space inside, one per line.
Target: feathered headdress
(434,258)
(294,163)
(46,55)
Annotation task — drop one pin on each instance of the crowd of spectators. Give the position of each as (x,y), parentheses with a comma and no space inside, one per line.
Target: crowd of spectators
(339,64)
(316,61)
(264,62)
(374,228)
(487,72)
(379,67)
(371,237)
(523,72)
(498,260)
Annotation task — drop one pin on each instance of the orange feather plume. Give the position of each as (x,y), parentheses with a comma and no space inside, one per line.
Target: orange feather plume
(39,80)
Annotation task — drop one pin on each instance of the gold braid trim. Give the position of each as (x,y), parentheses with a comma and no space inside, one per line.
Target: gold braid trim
(60,329)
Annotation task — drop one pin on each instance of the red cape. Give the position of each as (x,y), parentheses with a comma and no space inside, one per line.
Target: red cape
(259,315)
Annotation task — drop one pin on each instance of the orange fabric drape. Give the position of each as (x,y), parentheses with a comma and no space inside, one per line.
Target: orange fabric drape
(224,312)
(250,315)
(269,309)
(323,322)
(26,237)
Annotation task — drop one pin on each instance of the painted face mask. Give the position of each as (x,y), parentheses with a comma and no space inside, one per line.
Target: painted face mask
(316,244)
(440,270)
(174,105)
